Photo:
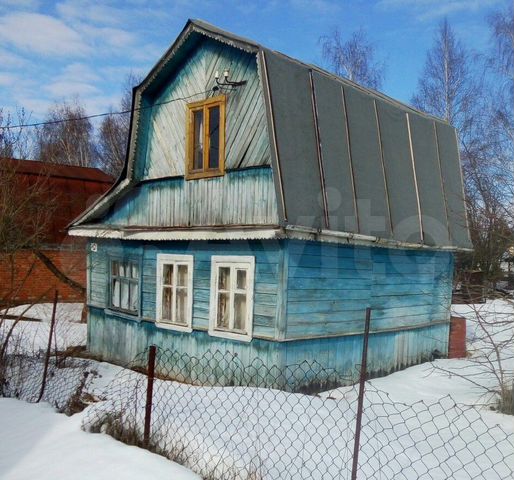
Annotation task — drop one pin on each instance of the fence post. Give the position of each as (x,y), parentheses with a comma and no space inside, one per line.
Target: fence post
(149,394)
(49,348)
(362,382)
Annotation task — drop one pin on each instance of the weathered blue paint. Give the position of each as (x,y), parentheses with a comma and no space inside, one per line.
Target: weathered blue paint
(267,258)
(329,286)
(309,304)
(250,195)
(161,150)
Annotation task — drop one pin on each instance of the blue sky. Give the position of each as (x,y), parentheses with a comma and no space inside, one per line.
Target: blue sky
(55,50)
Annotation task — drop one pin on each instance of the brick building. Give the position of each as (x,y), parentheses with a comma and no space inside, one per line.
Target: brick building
(58,261)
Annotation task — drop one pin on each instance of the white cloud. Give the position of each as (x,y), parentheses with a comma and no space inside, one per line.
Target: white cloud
(41,34)
(107,37)
(79,72)
(430,9)
(9,59)
(7,79)
(65,89)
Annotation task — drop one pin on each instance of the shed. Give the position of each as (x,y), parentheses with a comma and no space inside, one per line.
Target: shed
(264,204)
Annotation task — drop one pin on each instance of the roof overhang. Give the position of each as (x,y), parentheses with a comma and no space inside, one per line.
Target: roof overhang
(251,233)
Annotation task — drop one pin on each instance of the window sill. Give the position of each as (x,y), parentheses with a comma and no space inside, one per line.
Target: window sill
(119,313)
(171,326)
(231,336)
(204,174)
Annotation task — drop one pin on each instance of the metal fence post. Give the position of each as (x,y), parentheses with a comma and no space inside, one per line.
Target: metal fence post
(362,382)
(49,348)
(149,394)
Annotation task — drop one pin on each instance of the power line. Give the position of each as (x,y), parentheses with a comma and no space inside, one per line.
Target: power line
(97,115)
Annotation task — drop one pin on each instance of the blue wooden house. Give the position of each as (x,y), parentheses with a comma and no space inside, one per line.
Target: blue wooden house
(264,204)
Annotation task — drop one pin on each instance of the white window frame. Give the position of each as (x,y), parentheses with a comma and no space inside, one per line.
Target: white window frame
(166,259)
(234,262)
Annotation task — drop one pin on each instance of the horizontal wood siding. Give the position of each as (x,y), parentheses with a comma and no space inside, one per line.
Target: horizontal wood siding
(245,197)
(387,351)
(330,286)
(266,292)
(119,340)
(164,128)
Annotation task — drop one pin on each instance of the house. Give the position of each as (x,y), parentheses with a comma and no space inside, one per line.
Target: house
(264,204)
(58,261)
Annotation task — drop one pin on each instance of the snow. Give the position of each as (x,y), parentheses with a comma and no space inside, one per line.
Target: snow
(71,312)
(412,425)
(41,444)
(31,336)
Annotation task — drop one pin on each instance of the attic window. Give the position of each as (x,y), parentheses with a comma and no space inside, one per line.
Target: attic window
(206,138)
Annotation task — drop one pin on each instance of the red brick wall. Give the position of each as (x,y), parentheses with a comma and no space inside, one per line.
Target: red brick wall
(457,344)
(20,286)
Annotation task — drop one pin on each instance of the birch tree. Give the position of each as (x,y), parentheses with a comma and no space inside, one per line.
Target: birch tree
(353,58)
(67,137)
(451,87)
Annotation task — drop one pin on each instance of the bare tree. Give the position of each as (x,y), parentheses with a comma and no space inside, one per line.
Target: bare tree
(67,137)
(447,87)
(501,62)
(353,58)
(451,89)
(14,141)
(114,131)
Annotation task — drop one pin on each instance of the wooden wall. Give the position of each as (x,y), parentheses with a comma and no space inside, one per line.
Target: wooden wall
(161,145)
(310,301)
(267,260)
(245,197)
(329,287)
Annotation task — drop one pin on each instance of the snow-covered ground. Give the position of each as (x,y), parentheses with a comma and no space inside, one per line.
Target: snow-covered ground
(32,335)
(412,425)
(38,443)
(71,312)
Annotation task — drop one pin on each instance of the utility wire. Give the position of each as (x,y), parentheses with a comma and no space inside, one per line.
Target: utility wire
(97,115)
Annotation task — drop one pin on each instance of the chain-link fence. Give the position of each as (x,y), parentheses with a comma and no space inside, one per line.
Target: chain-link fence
(37,362)
(246,421)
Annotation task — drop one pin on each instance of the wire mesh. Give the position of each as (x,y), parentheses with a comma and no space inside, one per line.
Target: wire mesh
(225,420)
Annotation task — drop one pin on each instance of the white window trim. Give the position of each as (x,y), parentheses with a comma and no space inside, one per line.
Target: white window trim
(164,259)
(236,261)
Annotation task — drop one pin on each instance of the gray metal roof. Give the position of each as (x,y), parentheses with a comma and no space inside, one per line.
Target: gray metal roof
(349,159)
(353,160)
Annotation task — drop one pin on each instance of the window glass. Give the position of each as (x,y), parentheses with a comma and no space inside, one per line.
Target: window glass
(125,285)
(241,279)
(167,274)
(214,137)
(182,275)
(115,293)
(124,300)
(239,311)
(167,298)
(224,278)
(232,296)
(134,296)
(181,317)
(223,310)
(198,140)
(205,138)
(174,281)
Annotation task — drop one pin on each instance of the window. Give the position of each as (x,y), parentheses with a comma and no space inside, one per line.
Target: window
(232,297)
(174,306)
(206,138)
(124,291)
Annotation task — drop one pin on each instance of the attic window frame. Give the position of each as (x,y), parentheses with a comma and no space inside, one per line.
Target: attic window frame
(204,106)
